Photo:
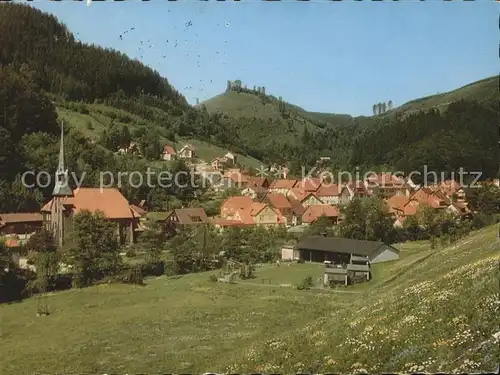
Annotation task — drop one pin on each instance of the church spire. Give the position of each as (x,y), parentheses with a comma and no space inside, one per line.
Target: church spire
(61,187)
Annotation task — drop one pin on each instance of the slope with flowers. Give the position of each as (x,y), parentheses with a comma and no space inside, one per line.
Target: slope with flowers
(441,315)
(432,310)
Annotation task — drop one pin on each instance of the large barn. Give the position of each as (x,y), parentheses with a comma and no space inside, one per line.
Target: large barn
(340,250)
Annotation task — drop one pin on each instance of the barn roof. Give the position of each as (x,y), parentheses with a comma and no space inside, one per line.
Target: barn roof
(340,245)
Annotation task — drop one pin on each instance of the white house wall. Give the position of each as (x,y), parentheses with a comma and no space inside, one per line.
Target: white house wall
(384,254)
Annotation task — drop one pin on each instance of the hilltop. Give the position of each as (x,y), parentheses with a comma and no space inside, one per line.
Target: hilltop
(431,311)
(249,104)
(483,91)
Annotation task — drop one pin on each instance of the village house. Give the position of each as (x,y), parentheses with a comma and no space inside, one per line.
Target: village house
(219,163)
(20,225)
(109,201)
(260,182)
(401,207)
(169,153)
(231,159)
(132,148)
(233,178)
(329,194)
(183,217)
(297,211)
(241,210)
(233,204)
(459,209)
(254,192)
(433,198)
(282,204)
(452,189)
(282,186)
(187,152)
(386,185)
(314,212)
(353,189)
(305,198)
(309,184)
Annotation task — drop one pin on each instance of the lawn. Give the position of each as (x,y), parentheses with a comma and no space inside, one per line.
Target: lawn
(436,314)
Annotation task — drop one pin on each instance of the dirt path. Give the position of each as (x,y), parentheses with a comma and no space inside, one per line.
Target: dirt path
(327,290)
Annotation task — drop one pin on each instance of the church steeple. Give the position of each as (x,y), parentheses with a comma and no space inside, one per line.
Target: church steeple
(61,187)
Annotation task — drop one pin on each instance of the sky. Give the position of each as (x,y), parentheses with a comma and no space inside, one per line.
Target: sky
(336,57)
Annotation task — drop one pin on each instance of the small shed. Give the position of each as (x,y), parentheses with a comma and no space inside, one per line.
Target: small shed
(288,253)
(339,250)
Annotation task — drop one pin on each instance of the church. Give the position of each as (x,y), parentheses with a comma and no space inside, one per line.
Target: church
(65,203)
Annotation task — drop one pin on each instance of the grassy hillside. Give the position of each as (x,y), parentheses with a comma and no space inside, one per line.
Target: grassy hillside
(429,311)
(98,117)
(248,105)
(483,91)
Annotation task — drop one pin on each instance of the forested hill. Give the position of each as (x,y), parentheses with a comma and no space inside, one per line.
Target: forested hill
(38,44)
(445,131)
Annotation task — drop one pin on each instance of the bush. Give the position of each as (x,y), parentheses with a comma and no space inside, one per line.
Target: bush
(306,284)
(130,254)
(135,276)
(301,261)
(153,269)
(213,278)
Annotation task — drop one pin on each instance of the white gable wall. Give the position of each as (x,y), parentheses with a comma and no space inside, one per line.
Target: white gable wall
(384,254)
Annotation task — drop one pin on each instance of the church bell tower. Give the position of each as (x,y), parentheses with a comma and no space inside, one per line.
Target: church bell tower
(60,192)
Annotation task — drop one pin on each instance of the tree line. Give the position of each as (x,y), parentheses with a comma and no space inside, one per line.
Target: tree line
(48,52)
(381,107)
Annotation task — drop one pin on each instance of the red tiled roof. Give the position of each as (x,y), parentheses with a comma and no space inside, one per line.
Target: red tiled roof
(12,242)
(234,204)
(236,177)
(434,199)
(297,207)
(169,150)
(411,208)
(255,181)
(301,194)
(278,201)
(20,217)
(283,184)
(257,207)
(449,187)
(313,212)
(108,200)
(330,190)
(397,201)
(309,184)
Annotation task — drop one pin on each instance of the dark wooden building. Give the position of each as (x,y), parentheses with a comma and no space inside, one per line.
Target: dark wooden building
(341,250)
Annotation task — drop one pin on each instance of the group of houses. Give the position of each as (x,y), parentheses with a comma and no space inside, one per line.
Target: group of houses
(187,152)
(259,201)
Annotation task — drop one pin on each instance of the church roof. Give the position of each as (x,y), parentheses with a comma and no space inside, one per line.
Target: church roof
(108,200)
